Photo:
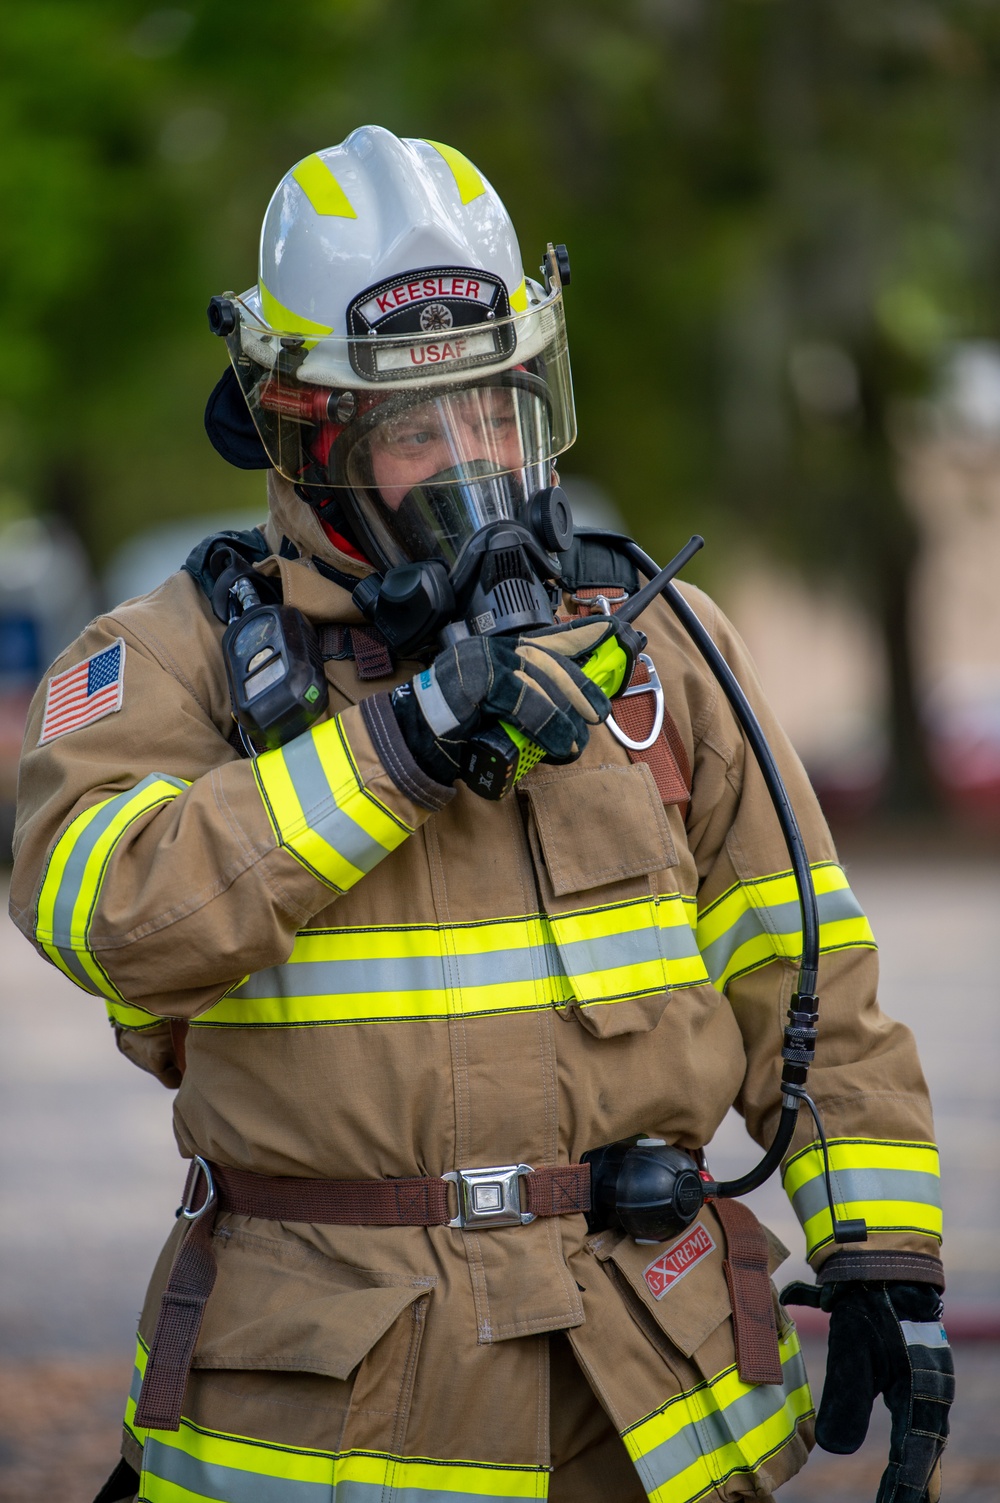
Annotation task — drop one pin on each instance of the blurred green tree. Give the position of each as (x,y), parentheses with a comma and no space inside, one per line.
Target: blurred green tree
(779,215)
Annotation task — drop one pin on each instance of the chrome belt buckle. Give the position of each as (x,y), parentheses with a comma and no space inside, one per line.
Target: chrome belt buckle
(489,1197)
(653,687)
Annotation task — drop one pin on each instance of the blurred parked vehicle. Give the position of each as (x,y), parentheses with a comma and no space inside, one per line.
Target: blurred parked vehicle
(47,596)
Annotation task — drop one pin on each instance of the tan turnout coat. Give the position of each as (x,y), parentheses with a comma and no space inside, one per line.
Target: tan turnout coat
(496,983)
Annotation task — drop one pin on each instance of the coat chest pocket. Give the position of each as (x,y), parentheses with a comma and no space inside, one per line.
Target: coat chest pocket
(598,825)
(622,935)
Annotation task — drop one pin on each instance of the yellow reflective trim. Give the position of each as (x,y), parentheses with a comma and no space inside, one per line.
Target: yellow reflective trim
(723,1462)
(894,1186)
(246,1457)
(656,949)
(291,827)
(860,1153)
(762,893)
(322,189)
(320,809)
(519,298)
(757,921)
(75,874)
(467,179)
(460,1479)
(880,1216)
(695,1404)
(514,964)
(704,1410)
(344,777)
(129,1016)
(56,868)
(284,321)
(505,966)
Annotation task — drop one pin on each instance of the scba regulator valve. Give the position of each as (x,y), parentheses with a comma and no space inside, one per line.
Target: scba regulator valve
(646,1188)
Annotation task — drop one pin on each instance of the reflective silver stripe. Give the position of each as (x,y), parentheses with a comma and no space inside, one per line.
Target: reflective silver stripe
(785,918)
(314,793)
(211,1479)
(637,947)
(374,1492)
(700,1438)
(417,973)
(224,1484)
(851,1186)
(433,706)
(924,1333)
(76,863)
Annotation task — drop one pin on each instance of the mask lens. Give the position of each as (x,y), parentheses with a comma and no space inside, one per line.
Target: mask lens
(433,472)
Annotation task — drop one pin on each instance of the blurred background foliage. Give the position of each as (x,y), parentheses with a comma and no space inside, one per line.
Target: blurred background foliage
(780,213)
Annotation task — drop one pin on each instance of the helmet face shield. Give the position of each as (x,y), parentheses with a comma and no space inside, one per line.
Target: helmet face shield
(425,436)
(429,474)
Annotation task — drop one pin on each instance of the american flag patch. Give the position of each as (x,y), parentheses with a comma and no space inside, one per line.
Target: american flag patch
(86,692)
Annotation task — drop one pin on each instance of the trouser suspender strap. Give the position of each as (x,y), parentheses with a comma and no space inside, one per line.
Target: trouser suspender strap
(182,1306)
(758,1359)
(557,1191)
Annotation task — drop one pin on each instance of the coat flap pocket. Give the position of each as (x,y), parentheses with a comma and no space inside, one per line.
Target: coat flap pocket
(598,825)
(279,1305)
(681,1283)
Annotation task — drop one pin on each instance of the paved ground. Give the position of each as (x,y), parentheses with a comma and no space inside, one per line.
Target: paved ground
(90,1179)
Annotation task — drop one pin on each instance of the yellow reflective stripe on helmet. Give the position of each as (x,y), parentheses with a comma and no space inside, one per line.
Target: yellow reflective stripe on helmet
(719,1429)
(284,321)
(625,950)
(894,1185)
(193,1464)
(320,809)
(758,921)
(467,179)
(75,873)
(519,298)
(322,189)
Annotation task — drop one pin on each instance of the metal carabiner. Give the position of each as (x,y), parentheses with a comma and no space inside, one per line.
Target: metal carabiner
(654,687)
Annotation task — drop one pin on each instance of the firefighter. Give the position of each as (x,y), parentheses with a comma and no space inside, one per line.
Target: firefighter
(397,1014)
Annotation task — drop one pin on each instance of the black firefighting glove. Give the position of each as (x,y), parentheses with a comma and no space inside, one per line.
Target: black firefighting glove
(533,682)
(885,1338)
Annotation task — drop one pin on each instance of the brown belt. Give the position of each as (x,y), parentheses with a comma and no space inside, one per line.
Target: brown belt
(486,1198)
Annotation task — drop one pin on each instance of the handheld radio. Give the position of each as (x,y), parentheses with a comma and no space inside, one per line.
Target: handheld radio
(499,756)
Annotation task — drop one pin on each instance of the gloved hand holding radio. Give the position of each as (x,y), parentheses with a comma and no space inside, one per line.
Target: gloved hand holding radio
(885,1338)
(534,682)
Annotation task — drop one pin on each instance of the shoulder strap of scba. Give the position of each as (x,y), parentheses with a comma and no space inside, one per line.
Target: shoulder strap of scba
(593,562)
(218,561)
(594,569)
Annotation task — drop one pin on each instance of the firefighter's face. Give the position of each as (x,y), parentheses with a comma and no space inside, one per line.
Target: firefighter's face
(455,429)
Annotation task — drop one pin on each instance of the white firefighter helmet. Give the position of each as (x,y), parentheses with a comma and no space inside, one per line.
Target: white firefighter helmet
(399,366)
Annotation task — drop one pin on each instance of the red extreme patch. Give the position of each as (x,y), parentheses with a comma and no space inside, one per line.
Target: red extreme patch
(663,1273)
